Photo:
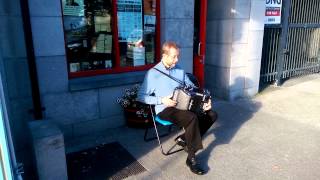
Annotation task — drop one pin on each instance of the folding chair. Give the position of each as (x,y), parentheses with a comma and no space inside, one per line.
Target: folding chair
(157,120)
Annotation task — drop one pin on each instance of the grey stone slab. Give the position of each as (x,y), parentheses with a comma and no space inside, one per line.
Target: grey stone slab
(237,78)
(255,43)
(257,15)
(89,127)
(242,9)
(48,146)
(186,59)
(253,73)
(178,30)
(220,9)
(98,125)
(177,9)
(251,92)
(220,31)
(12,37)
(52,74)
(107,80)
(217,76)
(218,55)
(108,100)
(43,129)
(67,131)
(240,31)
(69,108)
(10,8)
(45,8)
(236,94)
(115,121)
(17,78)
(239,55)
(48,36)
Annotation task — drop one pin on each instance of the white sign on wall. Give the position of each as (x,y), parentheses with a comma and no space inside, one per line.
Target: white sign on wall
(273,12)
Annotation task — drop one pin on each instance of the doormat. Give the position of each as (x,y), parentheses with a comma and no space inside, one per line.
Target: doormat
(106,161)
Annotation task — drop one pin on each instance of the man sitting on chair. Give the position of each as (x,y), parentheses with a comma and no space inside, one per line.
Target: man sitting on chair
(157,89)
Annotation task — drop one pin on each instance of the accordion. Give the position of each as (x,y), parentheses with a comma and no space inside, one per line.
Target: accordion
(191,99)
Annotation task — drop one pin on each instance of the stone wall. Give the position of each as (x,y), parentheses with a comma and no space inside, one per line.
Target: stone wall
(234,46)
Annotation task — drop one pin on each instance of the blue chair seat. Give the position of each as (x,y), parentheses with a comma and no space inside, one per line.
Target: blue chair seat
(163,122)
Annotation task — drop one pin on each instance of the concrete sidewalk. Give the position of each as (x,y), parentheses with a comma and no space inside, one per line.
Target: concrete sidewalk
(276,135)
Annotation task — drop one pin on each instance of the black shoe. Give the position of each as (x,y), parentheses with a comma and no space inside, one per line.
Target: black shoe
(194,166)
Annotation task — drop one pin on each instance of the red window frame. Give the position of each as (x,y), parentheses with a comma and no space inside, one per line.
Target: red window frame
(117,68)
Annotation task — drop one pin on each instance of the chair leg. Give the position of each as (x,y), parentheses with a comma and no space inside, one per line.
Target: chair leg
(166,153)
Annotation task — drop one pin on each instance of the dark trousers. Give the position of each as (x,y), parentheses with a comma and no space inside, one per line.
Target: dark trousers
(195,126)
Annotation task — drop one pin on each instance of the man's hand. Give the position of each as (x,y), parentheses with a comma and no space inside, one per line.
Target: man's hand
(167,101)
(207,106)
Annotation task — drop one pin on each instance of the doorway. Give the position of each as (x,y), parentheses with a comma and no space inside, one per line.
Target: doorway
(199,39)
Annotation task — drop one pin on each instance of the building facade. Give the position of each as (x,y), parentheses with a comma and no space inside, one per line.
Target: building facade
(87,52)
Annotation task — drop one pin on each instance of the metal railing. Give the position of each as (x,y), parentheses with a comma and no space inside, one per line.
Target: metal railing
(300,54)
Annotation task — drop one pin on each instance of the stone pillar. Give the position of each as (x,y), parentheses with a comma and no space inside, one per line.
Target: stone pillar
(177,25)
(234,46)
(49,152)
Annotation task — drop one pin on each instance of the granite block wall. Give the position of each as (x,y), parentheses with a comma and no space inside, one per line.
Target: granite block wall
(234,47)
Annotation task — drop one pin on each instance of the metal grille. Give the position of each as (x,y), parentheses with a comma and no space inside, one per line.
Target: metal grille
(304,57)
(269,54)
(292,49)
(305,11)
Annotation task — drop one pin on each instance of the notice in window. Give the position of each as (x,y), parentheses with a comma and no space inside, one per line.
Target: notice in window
(149,24)
(102,23)
(104,43)
(138,56)
(130,20)
(73,7)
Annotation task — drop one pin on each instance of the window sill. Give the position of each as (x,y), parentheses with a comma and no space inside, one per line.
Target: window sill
(109,80)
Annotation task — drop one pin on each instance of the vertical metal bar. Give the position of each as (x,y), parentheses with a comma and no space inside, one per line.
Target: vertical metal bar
(305,11)
(274,52)
(293,12)
(302,50)
(289,47)
(306,53)
(314,10)
(309,12)
(283,39)
(318,14)
(299,10)
(285,59)
(294,49)
(274,63)
(299,58)
(271,54)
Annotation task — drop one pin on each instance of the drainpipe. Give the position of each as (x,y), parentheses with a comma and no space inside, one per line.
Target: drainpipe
(37,109)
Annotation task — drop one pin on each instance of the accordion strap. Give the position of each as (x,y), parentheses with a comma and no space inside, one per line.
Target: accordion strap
(173,78)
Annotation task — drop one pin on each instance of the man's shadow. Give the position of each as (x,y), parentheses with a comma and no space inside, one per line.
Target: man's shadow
(231,116)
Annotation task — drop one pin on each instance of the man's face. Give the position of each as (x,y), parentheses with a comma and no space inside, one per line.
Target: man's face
(171,59)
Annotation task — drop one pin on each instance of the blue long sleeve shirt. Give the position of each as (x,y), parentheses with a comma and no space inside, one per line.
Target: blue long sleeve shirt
(157,85)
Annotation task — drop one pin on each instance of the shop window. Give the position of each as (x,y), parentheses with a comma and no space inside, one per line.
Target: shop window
(110,36)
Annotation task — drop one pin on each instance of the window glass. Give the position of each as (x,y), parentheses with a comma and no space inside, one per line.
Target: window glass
(95,45)
(88,34)
(136,27)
